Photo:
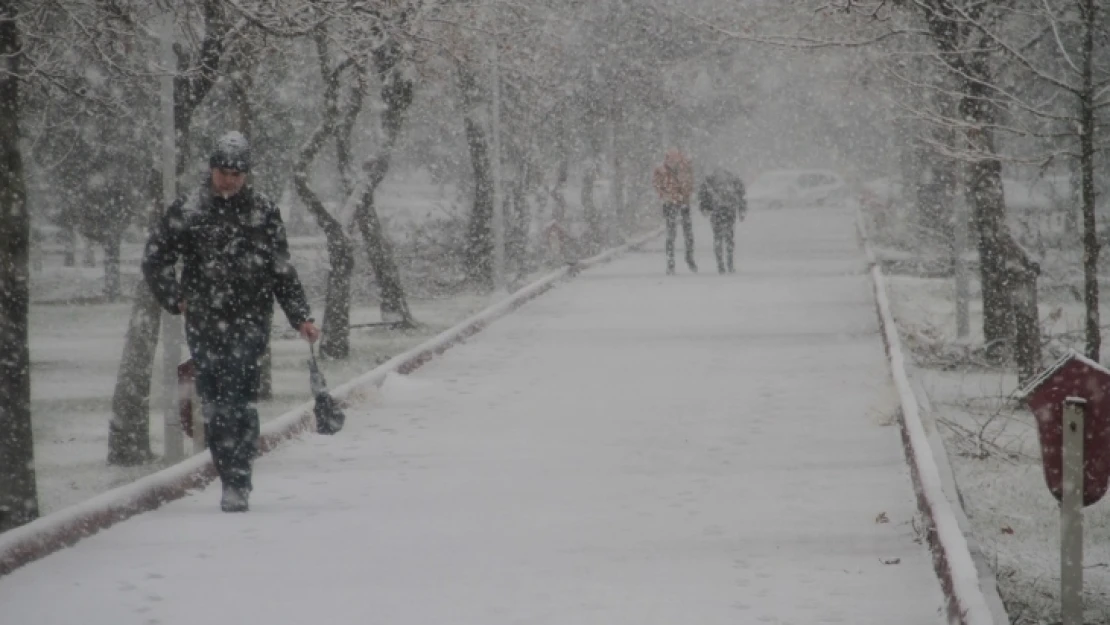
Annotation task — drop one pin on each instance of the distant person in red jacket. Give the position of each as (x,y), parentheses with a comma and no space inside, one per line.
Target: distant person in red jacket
(674,182)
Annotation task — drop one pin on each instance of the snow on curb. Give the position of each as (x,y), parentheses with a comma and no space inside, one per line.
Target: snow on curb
(967,603)
(61,529)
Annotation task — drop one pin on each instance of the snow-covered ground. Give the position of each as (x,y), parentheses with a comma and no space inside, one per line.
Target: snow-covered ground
(77,342)
(990,438)
(76,353)
(629,448)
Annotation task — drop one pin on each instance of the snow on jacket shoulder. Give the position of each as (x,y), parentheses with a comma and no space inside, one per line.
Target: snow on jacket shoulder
(235,258)
(722,194)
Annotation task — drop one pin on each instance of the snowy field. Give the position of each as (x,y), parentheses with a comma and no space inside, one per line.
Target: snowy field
(76,353)
(629,448)
(991,440)
(76,347)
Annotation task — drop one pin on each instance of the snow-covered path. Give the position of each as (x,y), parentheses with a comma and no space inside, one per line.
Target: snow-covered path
(630,448)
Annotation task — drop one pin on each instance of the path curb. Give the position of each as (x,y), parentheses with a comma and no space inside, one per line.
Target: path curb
(966,600)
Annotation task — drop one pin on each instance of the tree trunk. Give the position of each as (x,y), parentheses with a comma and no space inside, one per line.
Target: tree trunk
(192,84)
(129,429)
(343,137)
(946,172)
(1087,166)
(1027,327)
(90,253)
(959,268)
(619,208)
(953,227)
(558,192)
(1073,217)
(621,205)
(594,235)
(112,286)
(380,254)
(70,247)
(517,220)
(336,330)
(397,95)
(988,214)
(241,84)
(988,206)
(515,207)
(18,492)
(969,61)
(479,237)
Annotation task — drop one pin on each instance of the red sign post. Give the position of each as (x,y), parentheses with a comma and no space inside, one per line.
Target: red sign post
(1073,376)
(1071,401)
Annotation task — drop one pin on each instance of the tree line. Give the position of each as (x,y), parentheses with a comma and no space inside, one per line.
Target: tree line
(326,90)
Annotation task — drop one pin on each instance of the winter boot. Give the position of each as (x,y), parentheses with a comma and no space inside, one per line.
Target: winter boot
(234,499)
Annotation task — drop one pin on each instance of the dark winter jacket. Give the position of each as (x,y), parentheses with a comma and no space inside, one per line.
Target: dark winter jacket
(235,259)
(722,198)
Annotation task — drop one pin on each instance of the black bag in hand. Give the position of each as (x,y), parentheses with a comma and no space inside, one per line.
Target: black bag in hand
(329,418)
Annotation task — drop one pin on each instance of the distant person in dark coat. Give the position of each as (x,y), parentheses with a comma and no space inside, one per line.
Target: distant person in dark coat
(235,263)
(721,197)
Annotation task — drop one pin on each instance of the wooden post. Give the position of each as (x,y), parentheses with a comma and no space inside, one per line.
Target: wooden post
(1071,514)
(963,288)
(173,436)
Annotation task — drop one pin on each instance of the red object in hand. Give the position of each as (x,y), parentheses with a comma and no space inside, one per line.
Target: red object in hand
(186,383)
(309,332)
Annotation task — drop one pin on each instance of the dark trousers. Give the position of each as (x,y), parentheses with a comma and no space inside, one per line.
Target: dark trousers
(671,213)
(724,243)
(228,376)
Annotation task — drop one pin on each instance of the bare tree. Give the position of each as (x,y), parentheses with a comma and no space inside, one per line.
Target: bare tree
(397,94)
(337,306)
(18,494)
(963,73)
(964,76)
(1050,47)
(1057,50)
(91,104)
(129,429)
(479,250)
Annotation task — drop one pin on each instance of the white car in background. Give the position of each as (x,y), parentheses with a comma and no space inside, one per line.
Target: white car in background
(796,188)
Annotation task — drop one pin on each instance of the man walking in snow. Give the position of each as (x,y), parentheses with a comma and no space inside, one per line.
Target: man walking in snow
(235,259)
(721,198)
(674,182)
